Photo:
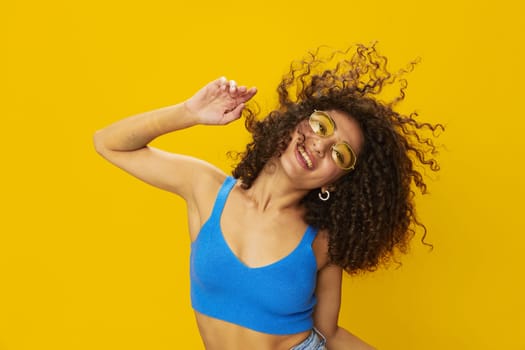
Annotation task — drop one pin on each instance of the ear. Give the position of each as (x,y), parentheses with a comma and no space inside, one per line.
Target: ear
(330,187)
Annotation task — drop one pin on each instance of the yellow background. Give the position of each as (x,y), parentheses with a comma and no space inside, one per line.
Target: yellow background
(91,258)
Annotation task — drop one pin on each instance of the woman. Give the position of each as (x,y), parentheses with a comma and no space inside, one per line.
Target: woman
(325,186)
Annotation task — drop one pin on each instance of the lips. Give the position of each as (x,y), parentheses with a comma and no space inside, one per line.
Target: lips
(304,157)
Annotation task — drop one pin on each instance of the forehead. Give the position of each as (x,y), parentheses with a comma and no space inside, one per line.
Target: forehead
(348,129)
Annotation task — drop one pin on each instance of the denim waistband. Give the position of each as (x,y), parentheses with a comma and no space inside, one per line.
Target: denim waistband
(315,341)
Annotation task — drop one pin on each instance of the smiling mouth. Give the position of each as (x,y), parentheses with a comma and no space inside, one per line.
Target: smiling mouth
(305,157)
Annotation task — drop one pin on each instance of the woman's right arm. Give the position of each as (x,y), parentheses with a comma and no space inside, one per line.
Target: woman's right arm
(125,143)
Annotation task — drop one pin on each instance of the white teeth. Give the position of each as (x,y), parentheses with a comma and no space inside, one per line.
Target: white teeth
(303,153)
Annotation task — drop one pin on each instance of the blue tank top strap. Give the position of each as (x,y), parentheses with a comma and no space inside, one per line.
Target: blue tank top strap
(224,191)
(309,236)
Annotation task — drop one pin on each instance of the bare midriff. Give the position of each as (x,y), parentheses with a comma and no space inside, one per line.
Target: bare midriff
(220,335)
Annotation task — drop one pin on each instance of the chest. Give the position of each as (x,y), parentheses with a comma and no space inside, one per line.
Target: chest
(260,239)
(270,298)
(249,266)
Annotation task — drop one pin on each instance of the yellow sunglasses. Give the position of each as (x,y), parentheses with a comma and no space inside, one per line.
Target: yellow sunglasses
(324,126)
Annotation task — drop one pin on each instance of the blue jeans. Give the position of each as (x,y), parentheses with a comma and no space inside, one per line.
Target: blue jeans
(315,341)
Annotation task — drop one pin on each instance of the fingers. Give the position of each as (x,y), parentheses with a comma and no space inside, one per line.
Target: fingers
(224,84)
(251,92)
(233,86)
(234,114)
(247,94)
(234,90)
(243,94)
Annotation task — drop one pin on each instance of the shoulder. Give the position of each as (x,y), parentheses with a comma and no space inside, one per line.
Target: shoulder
(207,183)
(206,186)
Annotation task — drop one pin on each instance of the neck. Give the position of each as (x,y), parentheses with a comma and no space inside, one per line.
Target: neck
(273,190)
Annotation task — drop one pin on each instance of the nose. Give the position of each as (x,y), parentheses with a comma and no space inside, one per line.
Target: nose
(320,146)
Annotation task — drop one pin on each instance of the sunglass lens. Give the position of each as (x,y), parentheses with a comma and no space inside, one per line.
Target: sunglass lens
(321,124)
(343,155)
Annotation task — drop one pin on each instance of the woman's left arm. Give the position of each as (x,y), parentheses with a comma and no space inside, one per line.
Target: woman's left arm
(326,312)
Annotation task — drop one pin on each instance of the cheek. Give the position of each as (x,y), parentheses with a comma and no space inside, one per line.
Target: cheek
(331,171)
(290,149)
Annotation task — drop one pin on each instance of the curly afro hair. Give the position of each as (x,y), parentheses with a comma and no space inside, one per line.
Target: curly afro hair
(371,215)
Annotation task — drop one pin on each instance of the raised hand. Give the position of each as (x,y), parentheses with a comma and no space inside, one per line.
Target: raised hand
(219,102)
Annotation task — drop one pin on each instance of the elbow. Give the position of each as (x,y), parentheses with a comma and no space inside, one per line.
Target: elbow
(328,333)
(98,142)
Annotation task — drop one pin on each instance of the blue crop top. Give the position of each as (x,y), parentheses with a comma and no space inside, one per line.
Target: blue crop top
(276,299)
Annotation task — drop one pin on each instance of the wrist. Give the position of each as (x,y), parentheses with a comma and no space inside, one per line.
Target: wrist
(168,119)
(188,113)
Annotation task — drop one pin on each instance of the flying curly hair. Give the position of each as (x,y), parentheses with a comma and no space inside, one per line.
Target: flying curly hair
(371,214)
